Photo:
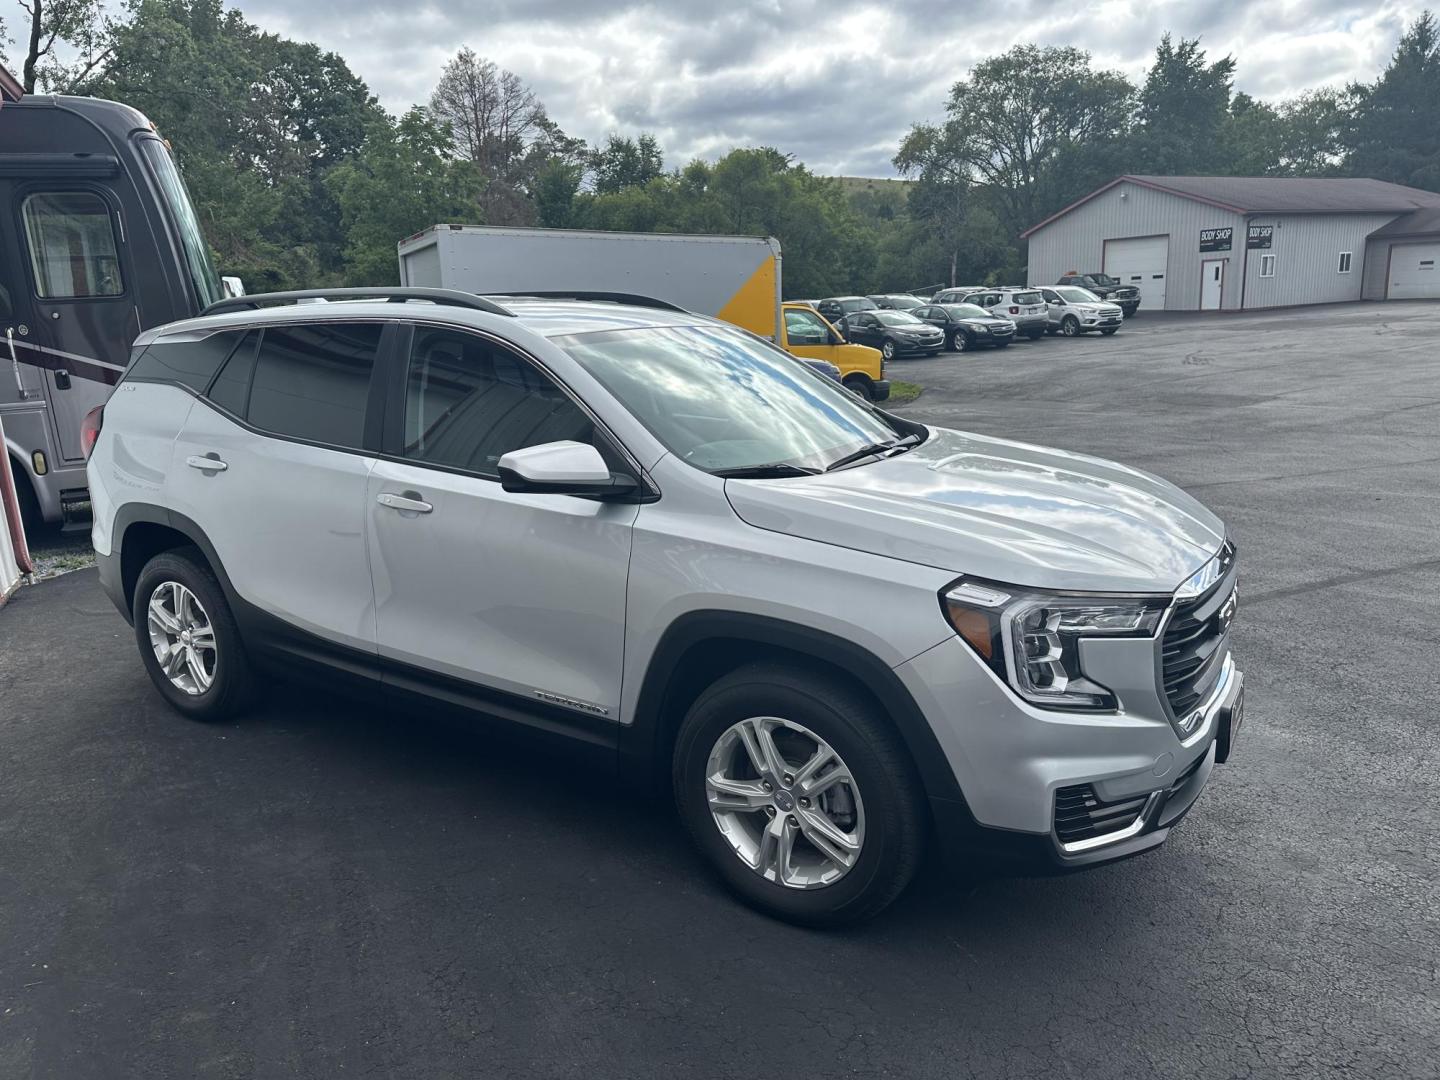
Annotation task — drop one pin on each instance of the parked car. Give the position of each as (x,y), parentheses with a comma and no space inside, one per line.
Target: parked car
(834,635)
(955,295)
(894,333)
(806,334)
(1021,305)
(896,301)
(1127,297)
(966,326)
(835,308)
(1074,311)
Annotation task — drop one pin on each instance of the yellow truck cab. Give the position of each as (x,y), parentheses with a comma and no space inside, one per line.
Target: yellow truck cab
(805,332)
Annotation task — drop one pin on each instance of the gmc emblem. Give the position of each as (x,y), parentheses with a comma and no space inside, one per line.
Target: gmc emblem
(1227,611)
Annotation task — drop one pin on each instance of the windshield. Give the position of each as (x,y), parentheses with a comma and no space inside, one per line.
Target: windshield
(904,303)
(857,304)
(1103,279)
(1077,295)
(192,240)
(896,318)
(968,311)
(721,400)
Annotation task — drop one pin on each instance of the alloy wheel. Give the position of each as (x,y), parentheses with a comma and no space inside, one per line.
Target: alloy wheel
(888,350)
(182,636)
(786,802)
(1070,327)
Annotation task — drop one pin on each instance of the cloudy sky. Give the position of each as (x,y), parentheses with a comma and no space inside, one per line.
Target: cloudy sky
(837,83)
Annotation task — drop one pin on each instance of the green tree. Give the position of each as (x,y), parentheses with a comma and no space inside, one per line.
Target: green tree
(1014,123)
(624,162)
(79,28)
(405,177)
(1184,106)
(1395,133)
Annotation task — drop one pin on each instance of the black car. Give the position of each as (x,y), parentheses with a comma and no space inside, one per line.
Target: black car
(894,333)
(896,301)
(835,308)
(1126,297)
(967,326)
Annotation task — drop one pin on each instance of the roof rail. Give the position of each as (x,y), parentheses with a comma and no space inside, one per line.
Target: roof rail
(634,299)
(397,295)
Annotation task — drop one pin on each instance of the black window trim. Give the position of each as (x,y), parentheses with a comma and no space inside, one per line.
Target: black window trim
(390,440)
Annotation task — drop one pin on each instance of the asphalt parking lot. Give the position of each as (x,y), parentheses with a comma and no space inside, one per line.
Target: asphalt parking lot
(322,891)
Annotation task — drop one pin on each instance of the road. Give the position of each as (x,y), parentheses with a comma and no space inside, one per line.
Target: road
(324,891)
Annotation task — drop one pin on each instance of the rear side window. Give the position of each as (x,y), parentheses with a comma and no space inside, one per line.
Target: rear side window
(312,382)
(72,245)
(1026,298)
(231,388)
(189,363)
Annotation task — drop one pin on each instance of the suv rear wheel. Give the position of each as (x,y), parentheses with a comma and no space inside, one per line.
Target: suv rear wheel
(799,794)
(188,639)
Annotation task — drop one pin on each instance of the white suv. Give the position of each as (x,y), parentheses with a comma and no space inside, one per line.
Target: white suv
(835,631)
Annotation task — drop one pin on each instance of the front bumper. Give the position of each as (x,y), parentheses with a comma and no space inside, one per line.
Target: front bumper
(1012,762)
(919,347)
(880,390)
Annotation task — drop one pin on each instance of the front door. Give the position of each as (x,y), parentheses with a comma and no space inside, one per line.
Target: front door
(809,336)
(1212,284)
(521,594)
(83,303)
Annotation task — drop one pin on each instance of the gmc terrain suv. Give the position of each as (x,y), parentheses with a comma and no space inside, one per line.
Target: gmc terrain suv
(834,631)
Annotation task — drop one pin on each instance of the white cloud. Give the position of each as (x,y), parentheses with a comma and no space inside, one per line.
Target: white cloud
(837,83)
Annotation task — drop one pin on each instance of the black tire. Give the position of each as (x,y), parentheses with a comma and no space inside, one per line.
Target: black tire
(869,746)
(233,687)
(860,386)
(888,350)
(1070,326)
(31,521)
(1107,332)
(1036,335)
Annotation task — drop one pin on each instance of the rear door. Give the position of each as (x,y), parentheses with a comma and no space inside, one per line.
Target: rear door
(272,465)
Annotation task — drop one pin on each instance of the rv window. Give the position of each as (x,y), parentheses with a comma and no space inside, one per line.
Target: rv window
(311,382)
(190,363)
(72,245)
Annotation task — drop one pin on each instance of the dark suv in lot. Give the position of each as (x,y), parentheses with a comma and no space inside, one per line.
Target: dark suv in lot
(1126,297)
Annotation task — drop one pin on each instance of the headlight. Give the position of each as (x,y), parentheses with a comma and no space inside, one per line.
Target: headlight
(1031,638)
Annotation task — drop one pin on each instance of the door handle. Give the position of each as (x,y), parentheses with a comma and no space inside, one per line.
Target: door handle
(409,500)
(206,463)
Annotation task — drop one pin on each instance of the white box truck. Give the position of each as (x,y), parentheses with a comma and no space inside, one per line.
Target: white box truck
(735,278)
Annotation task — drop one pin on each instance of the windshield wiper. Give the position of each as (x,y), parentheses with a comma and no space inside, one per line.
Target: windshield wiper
(871,450)
(761,472)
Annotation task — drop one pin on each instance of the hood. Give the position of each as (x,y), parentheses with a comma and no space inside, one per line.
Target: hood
(1002,510)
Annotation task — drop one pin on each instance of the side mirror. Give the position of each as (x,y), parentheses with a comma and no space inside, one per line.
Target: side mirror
(561,468)
(231,287)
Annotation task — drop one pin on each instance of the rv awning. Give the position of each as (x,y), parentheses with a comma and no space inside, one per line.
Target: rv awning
(10,88)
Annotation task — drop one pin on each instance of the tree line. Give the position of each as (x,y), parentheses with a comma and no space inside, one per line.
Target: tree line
(302,179)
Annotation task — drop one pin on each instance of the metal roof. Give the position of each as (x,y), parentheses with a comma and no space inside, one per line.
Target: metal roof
(1417,222)
(1277,194)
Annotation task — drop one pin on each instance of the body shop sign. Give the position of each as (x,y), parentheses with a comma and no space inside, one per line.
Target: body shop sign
(1215,239)
(1259,236)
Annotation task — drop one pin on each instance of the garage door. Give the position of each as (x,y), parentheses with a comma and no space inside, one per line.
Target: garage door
(1140,262)
(1415,271)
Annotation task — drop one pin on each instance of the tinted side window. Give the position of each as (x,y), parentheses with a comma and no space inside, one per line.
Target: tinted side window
(311,382)
(72,245)
(231,389)
(467,402)
(190,363)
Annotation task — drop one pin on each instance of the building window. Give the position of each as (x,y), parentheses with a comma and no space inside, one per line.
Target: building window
(1344,262)
(1267,265)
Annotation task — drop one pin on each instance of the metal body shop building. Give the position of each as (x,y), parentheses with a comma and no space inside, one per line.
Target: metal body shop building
(1226,243)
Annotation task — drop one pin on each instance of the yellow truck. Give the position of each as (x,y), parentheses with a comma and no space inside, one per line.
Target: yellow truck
(735,278)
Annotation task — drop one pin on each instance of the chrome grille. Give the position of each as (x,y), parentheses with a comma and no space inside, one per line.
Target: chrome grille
(1194,644)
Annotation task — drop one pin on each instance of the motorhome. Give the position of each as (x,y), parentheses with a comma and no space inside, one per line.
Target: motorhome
(98,241)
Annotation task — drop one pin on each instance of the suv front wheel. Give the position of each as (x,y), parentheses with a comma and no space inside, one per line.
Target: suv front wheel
(799,794)
(188,639)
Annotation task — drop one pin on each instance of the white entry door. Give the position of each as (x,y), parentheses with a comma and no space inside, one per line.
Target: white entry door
(1212,284)
(1140,261)
(1414,272)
